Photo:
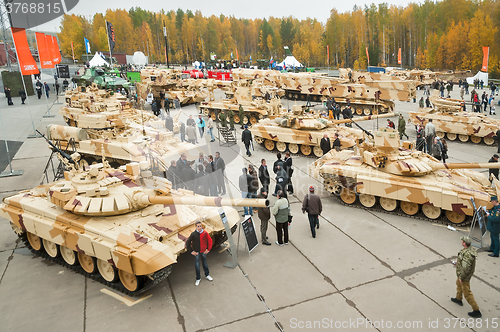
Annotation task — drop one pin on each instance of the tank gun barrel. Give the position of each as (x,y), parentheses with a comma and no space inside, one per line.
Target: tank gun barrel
(436,166)
(364,118)
(56,149)
(206,201)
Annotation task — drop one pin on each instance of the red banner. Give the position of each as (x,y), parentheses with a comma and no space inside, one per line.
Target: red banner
(57,53)
(367,57)
(26,61)
(486,53)
(43,52)
(50,48)
(399,56)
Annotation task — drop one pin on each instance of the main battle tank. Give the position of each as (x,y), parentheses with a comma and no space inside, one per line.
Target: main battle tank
(99,120)
(382,172)
(298,131)
(449,118)
(115,224)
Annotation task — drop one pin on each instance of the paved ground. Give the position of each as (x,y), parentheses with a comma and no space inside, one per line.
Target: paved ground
(363,268)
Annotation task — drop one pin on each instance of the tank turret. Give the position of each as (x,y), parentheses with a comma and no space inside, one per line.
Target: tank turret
(382,172)
(116,224)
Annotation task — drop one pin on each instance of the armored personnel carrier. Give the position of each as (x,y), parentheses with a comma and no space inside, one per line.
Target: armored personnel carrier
(103,78)
(99,120)
(251,99)
(302,132)
(449,119)
(121,227)
(385,174)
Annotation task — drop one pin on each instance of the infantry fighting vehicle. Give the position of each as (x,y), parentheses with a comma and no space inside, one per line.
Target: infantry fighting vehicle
(449,118)
(103,78)
(300,131)
(252,100)
(115,224)
(384,173)
(368,98)
(98,120)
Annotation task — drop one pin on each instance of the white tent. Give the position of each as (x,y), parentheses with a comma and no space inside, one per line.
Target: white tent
(480,76)
(289,62)
(97,61)
(139,59)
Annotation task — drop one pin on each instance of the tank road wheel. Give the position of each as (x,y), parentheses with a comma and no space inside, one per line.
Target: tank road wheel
(236,118)
(293,148)
(68,255)
(475,139)
(463,138)
(245,120)
(451,136)
(205,111)
(455,217)
(130,281)
(51,248)
(317,151)
(359,111)
(253,120)
(35,242)
(439,134)
(87,263)
(409,208)
(367,201)
(375,111)
(213,115)
(367,111)
(107,271)
(305,149)
(347,196)
(269,144)
(431,212)
(488,140)
(388,204)
(259,139)
(281,146)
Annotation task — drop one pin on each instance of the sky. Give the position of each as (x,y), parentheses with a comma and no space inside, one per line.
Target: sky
(300,9)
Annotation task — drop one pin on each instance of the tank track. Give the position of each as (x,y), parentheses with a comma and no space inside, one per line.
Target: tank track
(312,155)
(398,212)
(148,283)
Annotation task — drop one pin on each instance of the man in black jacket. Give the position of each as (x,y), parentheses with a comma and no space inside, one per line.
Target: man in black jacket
(336,142)
(325,144)
(289,171)
(220,166)
(264,175)
(246,138)
(243,182)
(22,94)
(199,244)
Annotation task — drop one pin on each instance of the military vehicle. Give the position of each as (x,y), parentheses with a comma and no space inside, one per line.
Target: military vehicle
(103,78)
(251,98)
(302,132)
(449,119)
(99,120)
(383,172)
(363,98)
(172,84)
(102,223)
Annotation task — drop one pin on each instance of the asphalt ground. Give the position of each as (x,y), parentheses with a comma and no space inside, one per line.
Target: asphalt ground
(365,270)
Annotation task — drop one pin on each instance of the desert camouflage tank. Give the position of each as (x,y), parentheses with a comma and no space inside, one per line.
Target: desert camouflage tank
(115,224)
(384,173)
(364,99)
(99,121)
(302,132)
(250,98)
(171,82)
(449,119)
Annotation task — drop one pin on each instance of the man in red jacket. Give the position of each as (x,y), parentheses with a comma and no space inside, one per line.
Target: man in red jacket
(199,243)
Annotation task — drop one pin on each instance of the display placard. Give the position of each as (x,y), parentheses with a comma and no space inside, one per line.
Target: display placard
(250,234)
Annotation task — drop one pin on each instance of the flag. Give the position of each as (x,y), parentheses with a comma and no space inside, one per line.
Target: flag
(26,62)
(237,55)
(250,58)
(111,38)
(50,47)
(44,53)
(57,52)
(73,51)
(367,57)
(231,55)
(87,45)
(271,61)
(486,53)
(399,56)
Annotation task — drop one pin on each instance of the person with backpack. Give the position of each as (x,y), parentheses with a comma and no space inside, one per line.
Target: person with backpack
(281,179)
(312,205)
(281,212)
